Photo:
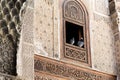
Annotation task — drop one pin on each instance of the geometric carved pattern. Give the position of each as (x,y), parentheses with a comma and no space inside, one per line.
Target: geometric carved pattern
(76,54)
(73,11)
(67,71)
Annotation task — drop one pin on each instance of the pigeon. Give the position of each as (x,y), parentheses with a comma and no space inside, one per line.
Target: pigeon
(72,41)
(80,43)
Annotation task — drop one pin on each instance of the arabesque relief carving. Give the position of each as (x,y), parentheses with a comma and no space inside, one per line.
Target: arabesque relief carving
(72,10)
(10,28)
(76,54)
(57,68)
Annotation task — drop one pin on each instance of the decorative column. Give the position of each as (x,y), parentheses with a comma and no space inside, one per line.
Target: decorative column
(115,17)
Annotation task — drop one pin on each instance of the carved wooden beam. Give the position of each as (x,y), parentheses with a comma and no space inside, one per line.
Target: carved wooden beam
(65,71)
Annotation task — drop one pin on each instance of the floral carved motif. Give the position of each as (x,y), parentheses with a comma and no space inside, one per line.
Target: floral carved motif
(73,10)
(76,54)
(56,68)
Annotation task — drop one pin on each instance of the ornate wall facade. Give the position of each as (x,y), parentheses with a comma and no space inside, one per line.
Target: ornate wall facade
(101,33)
(48,33)
(40,36)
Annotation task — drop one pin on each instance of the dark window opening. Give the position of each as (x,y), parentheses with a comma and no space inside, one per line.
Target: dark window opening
(74,34)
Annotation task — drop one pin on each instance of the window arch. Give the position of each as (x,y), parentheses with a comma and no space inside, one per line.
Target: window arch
(76,43)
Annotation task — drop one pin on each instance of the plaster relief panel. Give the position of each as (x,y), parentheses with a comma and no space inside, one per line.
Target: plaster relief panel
(44,26)
(102,35)
(101,6)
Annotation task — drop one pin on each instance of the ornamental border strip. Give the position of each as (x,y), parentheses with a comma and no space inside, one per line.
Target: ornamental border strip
(62,69)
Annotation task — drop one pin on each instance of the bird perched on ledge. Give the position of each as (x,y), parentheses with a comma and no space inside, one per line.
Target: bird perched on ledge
(80,43)
(72,40)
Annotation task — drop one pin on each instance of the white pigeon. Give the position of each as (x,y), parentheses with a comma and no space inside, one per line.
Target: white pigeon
(72,41)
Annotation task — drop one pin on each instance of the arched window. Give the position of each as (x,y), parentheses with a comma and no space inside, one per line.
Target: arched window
(76,44)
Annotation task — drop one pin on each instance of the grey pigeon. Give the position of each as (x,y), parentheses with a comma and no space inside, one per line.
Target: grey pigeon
(80,43)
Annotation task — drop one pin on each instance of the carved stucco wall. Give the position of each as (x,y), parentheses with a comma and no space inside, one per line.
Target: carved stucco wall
(46,29)
(47,33)
(25,55)
(43,36)
(102,38)
(101,6)
(103,44)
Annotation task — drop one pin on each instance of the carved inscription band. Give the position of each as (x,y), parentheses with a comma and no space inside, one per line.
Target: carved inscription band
(61,69)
